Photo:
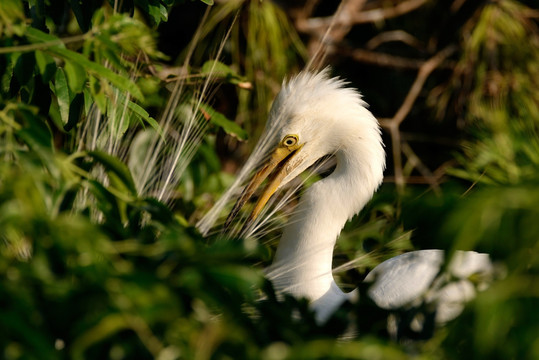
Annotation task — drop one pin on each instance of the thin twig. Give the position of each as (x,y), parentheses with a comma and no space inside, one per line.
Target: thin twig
(422,168)
(45,45)
(377,15)
(336,30)
(395,35)
(424,71)
(315,26)
(383,60)
(392,125)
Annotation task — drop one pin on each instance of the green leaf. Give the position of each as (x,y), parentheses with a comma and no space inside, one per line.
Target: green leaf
(123,83)
(207,2)
(37,36)
(75,111)
(61,91)
(118,117)
(97,94)
(157,210)
(106,202)
(12,19)
(164,12)
(24,68)
(112,163)
(156,12)
(235,277)
(6,77)
(46,65)
(217,69)
(88,102)
(76,76)
(55,116)
(57,48)
(38,136)
(218,119)
(138,110)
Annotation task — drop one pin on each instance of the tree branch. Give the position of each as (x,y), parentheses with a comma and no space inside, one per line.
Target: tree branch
(387,13)
(392,124)
(318,25)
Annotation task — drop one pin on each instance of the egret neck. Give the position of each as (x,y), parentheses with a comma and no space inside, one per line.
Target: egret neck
(303,262)
(314,116)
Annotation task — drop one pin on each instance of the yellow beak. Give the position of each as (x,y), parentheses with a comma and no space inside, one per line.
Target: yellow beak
(279,165)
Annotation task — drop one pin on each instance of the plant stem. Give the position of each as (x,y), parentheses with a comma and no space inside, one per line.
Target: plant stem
(44,45)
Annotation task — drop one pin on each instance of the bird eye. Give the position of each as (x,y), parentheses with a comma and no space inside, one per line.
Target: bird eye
(290,140)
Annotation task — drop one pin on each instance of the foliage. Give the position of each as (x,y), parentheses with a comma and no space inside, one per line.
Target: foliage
(501,45)
(262,38)
(95,266)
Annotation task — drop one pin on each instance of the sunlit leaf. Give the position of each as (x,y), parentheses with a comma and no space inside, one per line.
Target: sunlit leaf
(155,9)
(118,80)
(63,97)
(76,76)
(98,94)
(217,69)
(138,110)
(56,48)
(47,66)
(11,18)
(218,119)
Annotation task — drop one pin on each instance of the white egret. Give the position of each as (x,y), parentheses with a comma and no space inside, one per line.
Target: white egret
(314,116)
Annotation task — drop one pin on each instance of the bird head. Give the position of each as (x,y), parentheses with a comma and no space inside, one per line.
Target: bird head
(313,115)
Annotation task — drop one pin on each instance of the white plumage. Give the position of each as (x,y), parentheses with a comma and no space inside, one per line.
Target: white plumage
(314,116)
